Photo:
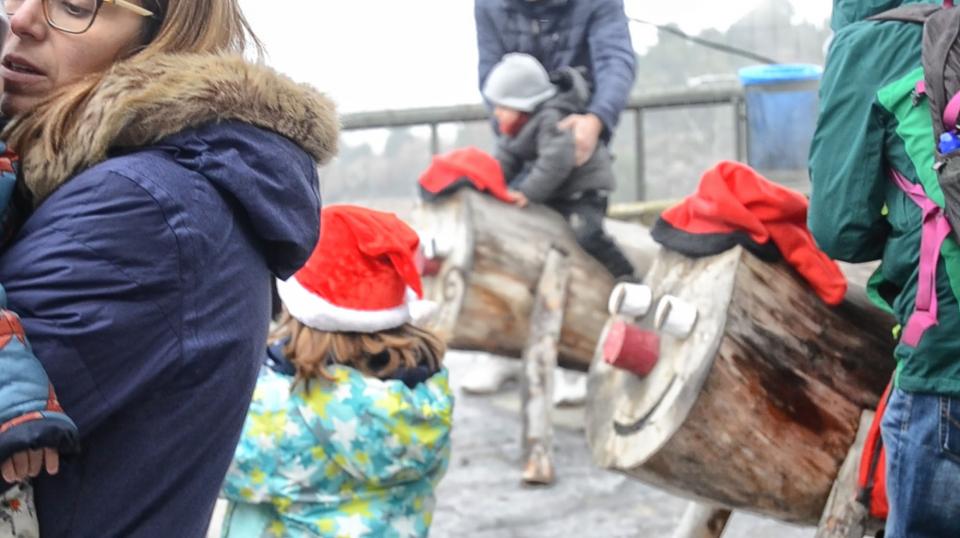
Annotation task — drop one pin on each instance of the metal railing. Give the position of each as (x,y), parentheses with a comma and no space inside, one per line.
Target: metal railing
(433,117)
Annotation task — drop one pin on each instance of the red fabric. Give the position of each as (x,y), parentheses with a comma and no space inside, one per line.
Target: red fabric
(872,483)
(732,196)
(364,260)
(8,161)
(476,166)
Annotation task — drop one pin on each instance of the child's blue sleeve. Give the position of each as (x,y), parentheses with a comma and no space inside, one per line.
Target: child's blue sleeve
(30,415)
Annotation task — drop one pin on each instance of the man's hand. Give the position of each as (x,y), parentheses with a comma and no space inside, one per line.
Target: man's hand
(518,198)
(586,133)
(29,463)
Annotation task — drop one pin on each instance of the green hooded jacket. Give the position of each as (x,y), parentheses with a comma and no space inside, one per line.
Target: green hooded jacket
(869,122)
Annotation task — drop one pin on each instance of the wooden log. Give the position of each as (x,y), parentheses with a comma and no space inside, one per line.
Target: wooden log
(494,253)
(758,407)
(540,361)
(702,521)
(844,516)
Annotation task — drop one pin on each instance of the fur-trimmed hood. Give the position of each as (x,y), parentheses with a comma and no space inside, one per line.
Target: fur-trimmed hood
(139,103)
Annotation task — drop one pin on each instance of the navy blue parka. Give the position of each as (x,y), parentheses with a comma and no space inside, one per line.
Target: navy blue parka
(143,278)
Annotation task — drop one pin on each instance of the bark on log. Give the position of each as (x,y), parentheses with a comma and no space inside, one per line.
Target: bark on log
(757,408)
(540,361)
(493,256)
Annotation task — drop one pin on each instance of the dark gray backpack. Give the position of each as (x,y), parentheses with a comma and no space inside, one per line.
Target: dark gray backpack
(941,87)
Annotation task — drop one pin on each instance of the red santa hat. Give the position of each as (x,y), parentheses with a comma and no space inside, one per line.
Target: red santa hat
(361,276)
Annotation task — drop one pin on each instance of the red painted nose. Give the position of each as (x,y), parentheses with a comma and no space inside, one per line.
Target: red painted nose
(426,264)
(432,267)
(631,348)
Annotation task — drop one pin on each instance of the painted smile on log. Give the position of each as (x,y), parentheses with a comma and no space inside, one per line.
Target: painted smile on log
(630,429)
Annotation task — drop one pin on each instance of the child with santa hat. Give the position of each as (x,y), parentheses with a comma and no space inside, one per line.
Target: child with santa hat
(348,433)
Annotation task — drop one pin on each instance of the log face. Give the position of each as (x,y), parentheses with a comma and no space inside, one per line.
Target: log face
(497,253)
(660,401)
(778,409)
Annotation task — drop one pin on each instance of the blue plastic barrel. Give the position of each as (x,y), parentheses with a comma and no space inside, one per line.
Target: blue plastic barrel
(782,105)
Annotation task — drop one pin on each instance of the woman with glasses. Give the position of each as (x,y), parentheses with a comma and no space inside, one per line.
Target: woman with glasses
(166,180)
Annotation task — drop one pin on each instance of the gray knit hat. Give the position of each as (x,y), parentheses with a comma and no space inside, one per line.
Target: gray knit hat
(519,82)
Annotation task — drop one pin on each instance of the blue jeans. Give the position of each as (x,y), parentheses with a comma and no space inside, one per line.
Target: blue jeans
(921,433)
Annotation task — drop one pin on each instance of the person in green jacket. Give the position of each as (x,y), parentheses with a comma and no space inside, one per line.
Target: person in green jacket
(873,122)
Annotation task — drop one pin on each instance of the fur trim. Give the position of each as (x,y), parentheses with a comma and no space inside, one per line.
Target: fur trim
(138,103)
(318,313)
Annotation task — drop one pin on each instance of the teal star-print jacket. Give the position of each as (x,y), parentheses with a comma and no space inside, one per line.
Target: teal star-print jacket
(354,457)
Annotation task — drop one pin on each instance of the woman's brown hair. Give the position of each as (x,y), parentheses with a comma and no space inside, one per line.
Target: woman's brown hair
(378,354)
(179,27)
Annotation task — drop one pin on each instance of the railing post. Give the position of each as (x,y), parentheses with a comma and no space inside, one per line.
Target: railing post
(434,139)
(740,128)
(639,154)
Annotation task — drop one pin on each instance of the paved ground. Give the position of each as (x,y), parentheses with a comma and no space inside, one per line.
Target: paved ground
(482,497)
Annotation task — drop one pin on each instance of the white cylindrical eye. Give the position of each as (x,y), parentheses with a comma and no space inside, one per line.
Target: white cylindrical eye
(631,300)
(675,316)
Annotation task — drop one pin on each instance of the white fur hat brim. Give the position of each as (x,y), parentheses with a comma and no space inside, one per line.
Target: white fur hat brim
(317,313)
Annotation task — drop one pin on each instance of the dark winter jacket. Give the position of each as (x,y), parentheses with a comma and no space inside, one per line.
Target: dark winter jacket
(143,279)
(592,34)
(550,151)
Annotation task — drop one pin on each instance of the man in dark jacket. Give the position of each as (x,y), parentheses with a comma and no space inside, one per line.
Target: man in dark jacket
(593,35)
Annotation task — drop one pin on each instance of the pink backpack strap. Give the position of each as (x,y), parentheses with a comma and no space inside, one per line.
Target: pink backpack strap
(934,232)
(951,113)
(947,3)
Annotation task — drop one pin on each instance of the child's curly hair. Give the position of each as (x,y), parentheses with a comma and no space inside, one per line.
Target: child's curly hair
(377,354)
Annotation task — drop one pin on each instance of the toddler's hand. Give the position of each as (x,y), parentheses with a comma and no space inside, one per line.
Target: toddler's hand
(518,198)
(29,463)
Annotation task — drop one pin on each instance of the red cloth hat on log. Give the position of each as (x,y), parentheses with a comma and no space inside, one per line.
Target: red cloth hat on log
(361,276)
(735,205)
(464,167)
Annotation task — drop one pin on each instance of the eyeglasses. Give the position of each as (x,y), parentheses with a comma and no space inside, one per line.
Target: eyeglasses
(74,16)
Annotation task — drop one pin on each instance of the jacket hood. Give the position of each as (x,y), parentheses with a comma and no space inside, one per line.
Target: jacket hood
(574,94)
(138,103)
(846,12)
(212,113)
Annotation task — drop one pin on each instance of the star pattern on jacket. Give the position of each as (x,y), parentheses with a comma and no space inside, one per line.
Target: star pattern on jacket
(352,457)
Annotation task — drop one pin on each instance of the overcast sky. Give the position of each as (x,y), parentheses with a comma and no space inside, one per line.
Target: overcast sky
(377,54)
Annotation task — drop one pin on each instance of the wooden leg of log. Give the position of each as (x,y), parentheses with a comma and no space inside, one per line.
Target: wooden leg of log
(844,516)
(702,521)
(539,361)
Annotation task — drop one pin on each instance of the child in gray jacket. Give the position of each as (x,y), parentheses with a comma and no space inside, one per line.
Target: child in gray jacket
(537,157)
